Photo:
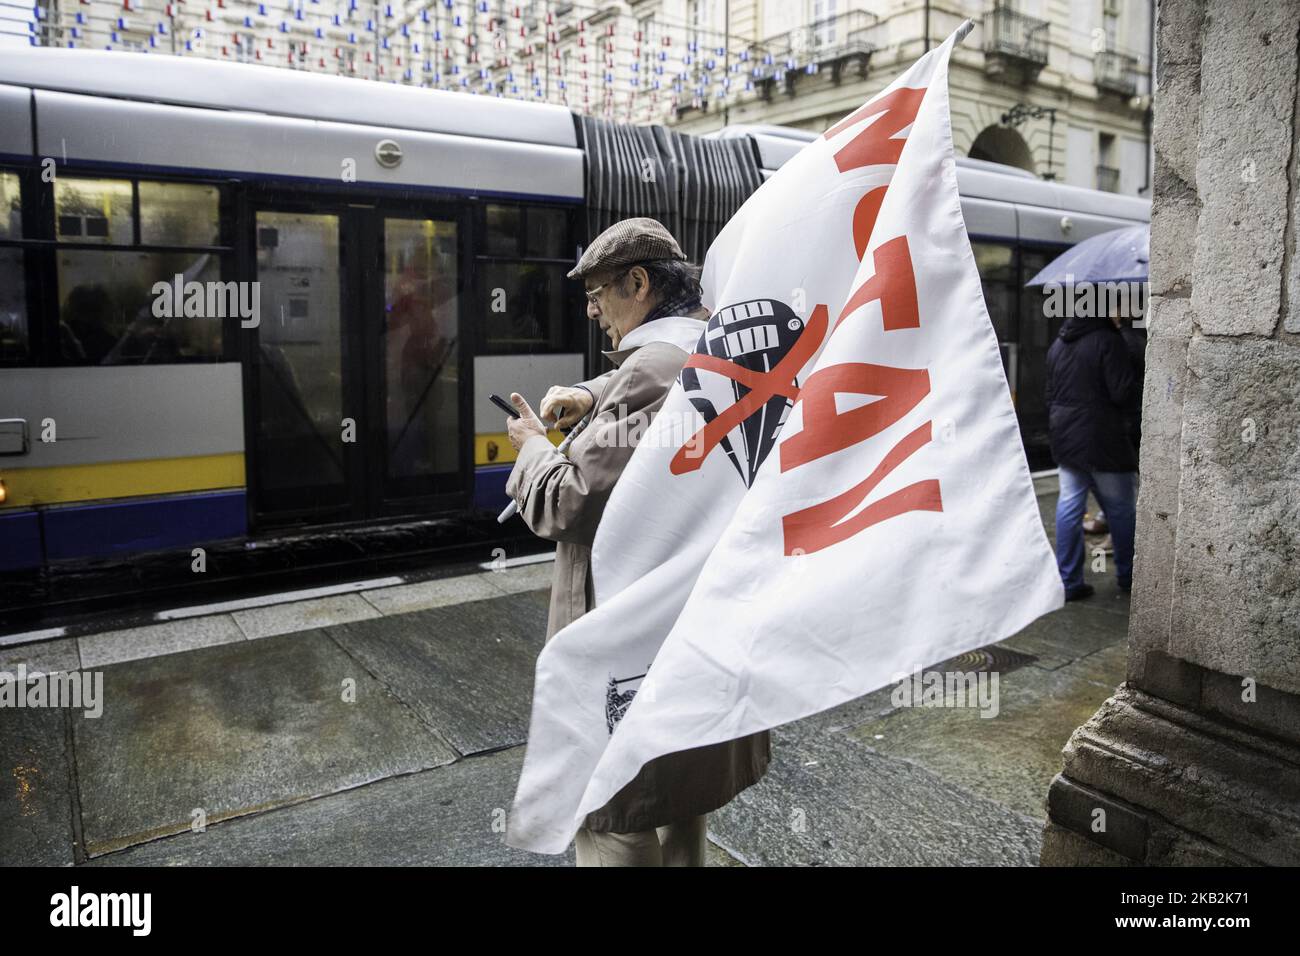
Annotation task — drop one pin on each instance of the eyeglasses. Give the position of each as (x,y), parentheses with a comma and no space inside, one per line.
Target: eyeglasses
(593,293)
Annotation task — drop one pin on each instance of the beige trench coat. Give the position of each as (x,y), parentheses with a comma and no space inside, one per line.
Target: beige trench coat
(561,499)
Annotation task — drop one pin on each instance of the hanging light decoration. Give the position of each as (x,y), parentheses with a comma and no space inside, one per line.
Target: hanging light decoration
(629,77)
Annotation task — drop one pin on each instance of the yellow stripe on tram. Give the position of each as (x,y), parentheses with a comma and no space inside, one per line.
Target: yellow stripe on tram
(121,479)
(494,448)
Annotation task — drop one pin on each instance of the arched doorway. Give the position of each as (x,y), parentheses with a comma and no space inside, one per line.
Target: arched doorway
(1002,144)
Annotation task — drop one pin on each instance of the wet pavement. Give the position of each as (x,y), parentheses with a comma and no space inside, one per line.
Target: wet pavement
(387,727)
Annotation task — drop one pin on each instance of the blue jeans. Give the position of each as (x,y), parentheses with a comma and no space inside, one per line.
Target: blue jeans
(1116,490)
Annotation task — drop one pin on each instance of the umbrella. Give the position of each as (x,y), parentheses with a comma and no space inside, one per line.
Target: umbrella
(1121,255)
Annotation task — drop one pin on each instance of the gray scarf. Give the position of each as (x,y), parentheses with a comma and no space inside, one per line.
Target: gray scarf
(684,304)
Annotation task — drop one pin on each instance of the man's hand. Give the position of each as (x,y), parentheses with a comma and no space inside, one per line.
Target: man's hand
(574,402)
(526,425)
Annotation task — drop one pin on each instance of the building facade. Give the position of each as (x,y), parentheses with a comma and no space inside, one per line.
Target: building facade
(1060,88)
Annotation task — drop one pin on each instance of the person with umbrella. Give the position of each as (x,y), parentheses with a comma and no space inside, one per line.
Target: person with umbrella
(1091,393)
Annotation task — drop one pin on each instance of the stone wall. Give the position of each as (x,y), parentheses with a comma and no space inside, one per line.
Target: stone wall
(1197,758)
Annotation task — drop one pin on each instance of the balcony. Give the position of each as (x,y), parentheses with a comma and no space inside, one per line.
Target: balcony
(1108,179)
(1015,45)
(836,43)
(1116,72)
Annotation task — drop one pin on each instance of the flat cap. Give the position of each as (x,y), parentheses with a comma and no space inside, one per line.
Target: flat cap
(626,242)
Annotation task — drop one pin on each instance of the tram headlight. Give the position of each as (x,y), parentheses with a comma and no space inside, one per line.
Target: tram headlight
(4,492)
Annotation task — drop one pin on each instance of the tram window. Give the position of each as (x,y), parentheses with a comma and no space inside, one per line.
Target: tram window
(11,207)
(13,281)
(504,225)
(13,306)
(106,308)
(996,264)
(546,233)
(106,303)
(421,379)
(532,307)
(532,232)
(94,210)
(527,303)
(1039,328)
(179,214)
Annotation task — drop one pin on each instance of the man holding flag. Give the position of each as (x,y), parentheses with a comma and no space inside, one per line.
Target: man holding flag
(823,529)
(646,298)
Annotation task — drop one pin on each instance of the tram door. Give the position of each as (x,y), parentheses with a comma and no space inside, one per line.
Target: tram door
(356,392)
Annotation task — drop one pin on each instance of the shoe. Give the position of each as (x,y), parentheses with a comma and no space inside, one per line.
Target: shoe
(1125,584)
(1107,546)
(1095,525)
(1081,592)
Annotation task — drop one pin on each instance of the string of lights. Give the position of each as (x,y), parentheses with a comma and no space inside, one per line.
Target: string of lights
(599,61)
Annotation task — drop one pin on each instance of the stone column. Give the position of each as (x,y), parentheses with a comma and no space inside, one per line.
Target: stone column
(1196,759)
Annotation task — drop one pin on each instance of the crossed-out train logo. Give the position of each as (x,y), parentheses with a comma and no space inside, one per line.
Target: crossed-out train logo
(754,348)
(617,701)
(751,345)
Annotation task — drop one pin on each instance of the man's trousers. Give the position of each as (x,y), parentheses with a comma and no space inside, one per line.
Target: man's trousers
(677,844)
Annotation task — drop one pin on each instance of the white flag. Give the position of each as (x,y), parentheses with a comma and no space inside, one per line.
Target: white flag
(834,493)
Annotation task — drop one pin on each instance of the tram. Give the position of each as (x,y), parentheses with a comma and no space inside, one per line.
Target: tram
(408,249)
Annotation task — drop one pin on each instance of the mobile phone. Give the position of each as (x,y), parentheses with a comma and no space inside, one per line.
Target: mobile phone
(502,404)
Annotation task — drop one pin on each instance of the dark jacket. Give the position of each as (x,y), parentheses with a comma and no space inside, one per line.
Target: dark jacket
(1090,387)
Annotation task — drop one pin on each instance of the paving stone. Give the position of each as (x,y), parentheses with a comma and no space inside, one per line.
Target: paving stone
(250,732)
(35,792)
(467,670)
(170,637)
(450,816)
(44,657)
(1012,757)
(1106,668)
(276,619)
(1076,630)
(234,729)
(405,598)
(829,800)
(529,577)
(850,714)
(715,855)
